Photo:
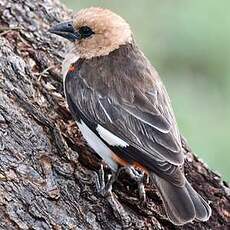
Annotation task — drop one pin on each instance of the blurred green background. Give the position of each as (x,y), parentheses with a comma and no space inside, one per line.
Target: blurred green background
(189,44)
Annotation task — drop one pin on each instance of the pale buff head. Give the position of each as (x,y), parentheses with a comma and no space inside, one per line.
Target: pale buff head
(109,32)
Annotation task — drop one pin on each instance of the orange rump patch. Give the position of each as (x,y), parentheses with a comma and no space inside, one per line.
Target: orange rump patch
(120,161)
(72,68)
(135,164)
(140,167)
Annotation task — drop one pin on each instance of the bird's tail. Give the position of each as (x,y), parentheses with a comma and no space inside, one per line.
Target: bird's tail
(182,204)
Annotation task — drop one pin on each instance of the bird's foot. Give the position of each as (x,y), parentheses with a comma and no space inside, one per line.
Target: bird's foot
(105,190)
(138,177)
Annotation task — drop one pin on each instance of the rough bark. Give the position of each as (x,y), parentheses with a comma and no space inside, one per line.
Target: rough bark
(47,173)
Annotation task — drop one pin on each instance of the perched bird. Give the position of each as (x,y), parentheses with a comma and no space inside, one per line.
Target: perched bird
(123,110)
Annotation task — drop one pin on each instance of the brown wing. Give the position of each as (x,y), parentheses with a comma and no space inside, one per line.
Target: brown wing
(120,93)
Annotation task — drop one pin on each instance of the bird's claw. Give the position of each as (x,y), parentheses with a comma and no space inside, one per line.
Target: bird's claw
(138,177)
(105,189)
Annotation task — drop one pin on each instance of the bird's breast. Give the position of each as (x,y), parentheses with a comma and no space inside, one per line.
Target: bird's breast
(70,58)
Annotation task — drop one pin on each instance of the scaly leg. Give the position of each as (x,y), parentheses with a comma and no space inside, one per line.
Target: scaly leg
(138,177)
(105,189)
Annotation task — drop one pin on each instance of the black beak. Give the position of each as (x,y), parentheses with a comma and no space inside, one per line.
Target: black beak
(66,30)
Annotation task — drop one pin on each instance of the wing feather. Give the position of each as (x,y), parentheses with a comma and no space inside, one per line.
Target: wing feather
(137,110)
(152,141)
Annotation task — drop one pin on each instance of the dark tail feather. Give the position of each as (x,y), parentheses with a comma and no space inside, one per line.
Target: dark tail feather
(182,204)
(203,210)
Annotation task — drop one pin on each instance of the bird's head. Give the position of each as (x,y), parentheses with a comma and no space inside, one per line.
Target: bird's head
(95,32)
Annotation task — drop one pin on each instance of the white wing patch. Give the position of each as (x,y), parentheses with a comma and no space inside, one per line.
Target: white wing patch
(110,138)
(97,145)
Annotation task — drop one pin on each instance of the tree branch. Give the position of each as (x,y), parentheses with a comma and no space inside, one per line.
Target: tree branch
(47,173)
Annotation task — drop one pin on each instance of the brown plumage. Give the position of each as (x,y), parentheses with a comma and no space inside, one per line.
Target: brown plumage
(107,27)
(114,93)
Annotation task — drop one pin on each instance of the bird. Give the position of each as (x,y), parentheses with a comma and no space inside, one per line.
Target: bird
(122,108)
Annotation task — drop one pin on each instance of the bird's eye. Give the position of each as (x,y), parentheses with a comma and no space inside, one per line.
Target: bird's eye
(85,31)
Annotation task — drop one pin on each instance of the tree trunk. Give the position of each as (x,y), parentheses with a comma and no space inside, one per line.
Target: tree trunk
(47,173)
